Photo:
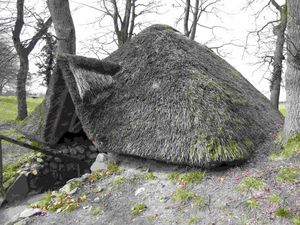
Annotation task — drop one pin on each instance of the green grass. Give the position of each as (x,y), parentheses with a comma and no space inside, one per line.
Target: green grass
(250,183)
(188,177)
(290,174)
(283,212)
(8,109)
(282,109)
(138,208)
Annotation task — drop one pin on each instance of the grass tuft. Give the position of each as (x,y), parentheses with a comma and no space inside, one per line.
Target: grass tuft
(250,183)
(290,174)
(283,212)
(187,178)
(138,208)
(149,176)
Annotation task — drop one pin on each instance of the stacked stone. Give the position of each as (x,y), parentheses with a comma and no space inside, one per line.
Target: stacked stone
(49,172)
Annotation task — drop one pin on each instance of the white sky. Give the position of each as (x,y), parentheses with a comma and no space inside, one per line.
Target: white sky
(236,21)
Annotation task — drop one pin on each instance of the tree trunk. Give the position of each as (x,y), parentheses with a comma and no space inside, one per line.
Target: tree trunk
(21,86)
(278,57)
(63,25)
(58,97)
(195,20)
(292,77)
(186,18)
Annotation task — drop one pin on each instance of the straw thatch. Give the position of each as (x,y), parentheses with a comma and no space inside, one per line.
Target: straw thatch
(173,100)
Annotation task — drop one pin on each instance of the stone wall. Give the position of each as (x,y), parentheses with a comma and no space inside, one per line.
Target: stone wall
(48,172)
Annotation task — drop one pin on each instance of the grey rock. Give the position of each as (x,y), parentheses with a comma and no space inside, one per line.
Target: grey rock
(98,166)
(30,212)
(18,189)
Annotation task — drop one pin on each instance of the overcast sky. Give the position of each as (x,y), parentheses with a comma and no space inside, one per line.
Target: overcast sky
(231,16)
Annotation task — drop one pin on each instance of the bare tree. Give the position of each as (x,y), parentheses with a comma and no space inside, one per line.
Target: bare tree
(270,37)
(125,16)
(46,57)
(278,54)
(193,12)
(8,68)
(23,49)
(292,120)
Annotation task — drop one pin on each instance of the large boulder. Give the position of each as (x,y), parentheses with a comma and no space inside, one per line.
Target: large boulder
(173,100)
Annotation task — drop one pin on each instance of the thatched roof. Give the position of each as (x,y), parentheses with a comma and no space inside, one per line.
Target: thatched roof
(172,100)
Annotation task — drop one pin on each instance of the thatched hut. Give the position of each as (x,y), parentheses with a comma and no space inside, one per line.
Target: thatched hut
(160,96)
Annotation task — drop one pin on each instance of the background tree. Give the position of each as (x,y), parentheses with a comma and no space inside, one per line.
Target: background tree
(270,42)
(292,75)
(46,57)
(23,49)
(125,15)
(8,65)
(193,12)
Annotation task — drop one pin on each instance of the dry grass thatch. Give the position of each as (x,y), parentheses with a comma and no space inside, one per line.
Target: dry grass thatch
(172,100)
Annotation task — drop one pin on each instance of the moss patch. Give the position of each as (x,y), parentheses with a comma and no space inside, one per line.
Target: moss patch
(188,177)
(12,170)
(149,176)
(182,195)
(283,212)
(275,199)
(291,174)
(250,183)
(252,203)
(193,220)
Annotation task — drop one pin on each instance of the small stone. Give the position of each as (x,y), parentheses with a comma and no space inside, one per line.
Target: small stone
(80,157)
(73,151)
(80,149)
(58,160)
(30,212)
(92,148)
(65,151)
(96,200)
(139,191)
(93,156)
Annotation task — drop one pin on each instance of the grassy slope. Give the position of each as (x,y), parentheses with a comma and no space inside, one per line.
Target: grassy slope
(282,109)
(8,107)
